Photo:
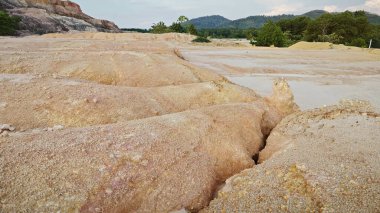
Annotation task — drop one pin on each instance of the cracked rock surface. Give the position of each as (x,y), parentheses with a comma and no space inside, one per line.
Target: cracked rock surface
(324,160)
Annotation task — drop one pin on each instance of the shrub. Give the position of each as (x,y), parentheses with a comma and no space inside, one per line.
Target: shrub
(271,34)
(332,38)
(159,28)
(8,24)
(201,40)
(192,30)
(358,42)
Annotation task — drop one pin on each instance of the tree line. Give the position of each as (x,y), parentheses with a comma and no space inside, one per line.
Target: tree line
(348,28)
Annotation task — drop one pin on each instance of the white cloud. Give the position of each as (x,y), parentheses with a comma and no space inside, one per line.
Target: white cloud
(369,5)
(330,8)
(279,10)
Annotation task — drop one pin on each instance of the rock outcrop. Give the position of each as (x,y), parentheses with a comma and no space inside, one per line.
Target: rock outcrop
(124,59)
(158,164)
(41,102)
(49,16)
(324,160)
(116,138)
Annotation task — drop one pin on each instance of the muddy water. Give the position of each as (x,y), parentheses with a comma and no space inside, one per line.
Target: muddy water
(317,78)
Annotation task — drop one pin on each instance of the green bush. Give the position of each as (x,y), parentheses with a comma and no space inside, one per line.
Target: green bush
(358,42)
(159,28)
(271,34)
(332,38)
(192,30)
(201,40)
(8,24)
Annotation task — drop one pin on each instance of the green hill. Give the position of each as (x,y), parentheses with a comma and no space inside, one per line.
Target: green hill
(254,21)
(219,22)
(210,22)
(314,14)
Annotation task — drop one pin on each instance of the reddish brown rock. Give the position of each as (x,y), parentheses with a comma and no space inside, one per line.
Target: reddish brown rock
(48,16)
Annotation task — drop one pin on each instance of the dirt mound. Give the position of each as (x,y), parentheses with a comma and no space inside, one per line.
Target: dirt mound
(157,164)
(303,45)
(321,160)
(41,102)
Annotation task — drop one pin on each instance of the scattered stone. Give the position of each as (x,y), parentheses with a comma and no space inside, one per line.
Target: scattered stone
(7,127)
(4,134)
(58,127)
(3,105)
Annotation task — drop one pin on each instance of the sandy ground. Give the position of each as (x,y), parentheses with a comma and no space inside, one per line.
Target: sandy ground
(98,122)
(318,76)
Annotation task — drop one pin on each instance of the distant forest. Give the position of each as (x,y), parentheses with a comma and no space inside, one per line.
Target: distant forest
(349,28)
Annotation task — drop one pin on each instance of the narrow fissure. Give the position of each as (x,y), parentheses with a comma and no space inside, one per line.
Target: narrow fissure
(256,156)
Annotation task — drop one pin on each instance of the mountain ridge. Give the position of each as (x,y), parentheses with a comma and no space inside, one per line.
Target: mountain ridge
(257,21)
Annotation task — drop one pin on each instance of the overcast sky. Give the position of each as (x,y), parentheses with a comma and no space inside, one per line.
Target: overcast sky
(143,13)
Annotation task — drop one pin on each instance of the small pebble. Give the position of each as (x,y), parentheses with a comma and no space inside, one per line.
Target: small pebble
(58,127)
(4,134)
(109,191)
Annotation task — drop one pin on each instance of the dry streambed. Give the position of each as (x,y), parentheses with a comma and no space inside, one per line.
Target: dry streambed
(132,127)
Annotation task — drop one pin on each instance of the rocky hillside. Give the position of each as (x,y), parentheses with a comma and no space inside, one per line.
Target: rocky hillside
(48,16)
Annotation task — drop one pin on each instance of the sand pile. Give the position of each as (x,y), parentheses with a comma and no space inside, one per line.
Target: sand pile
(316,161)
(303,45)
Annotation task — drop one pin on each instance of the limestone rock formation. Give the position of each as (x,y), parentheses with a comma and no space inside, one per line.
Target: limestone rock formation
(49,16)
(324,160)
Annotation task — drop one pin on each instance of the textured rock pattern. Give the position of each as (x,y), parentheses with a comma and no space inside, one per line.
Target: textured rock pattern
(324,160)
(92,152)
(156,164)
(49,16)
(134,60)
(41,102)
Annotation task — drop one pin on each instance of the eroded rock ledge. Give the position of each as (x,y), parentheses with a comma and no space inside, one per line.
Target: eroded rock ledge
(324,160)
(49,16)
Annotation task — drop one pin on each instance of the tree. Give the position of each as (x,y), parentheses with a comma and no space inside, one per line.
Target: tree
(349,28)
(8,24)
(182,19)
(159,28)
(192,30)
(177,27)
(270,34)
(295,27)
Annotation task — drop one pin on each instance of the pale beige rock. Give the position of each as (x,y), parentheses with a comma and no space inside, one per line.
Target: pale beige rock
(158,164)
(45,102)
(325,160)
(130,59)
